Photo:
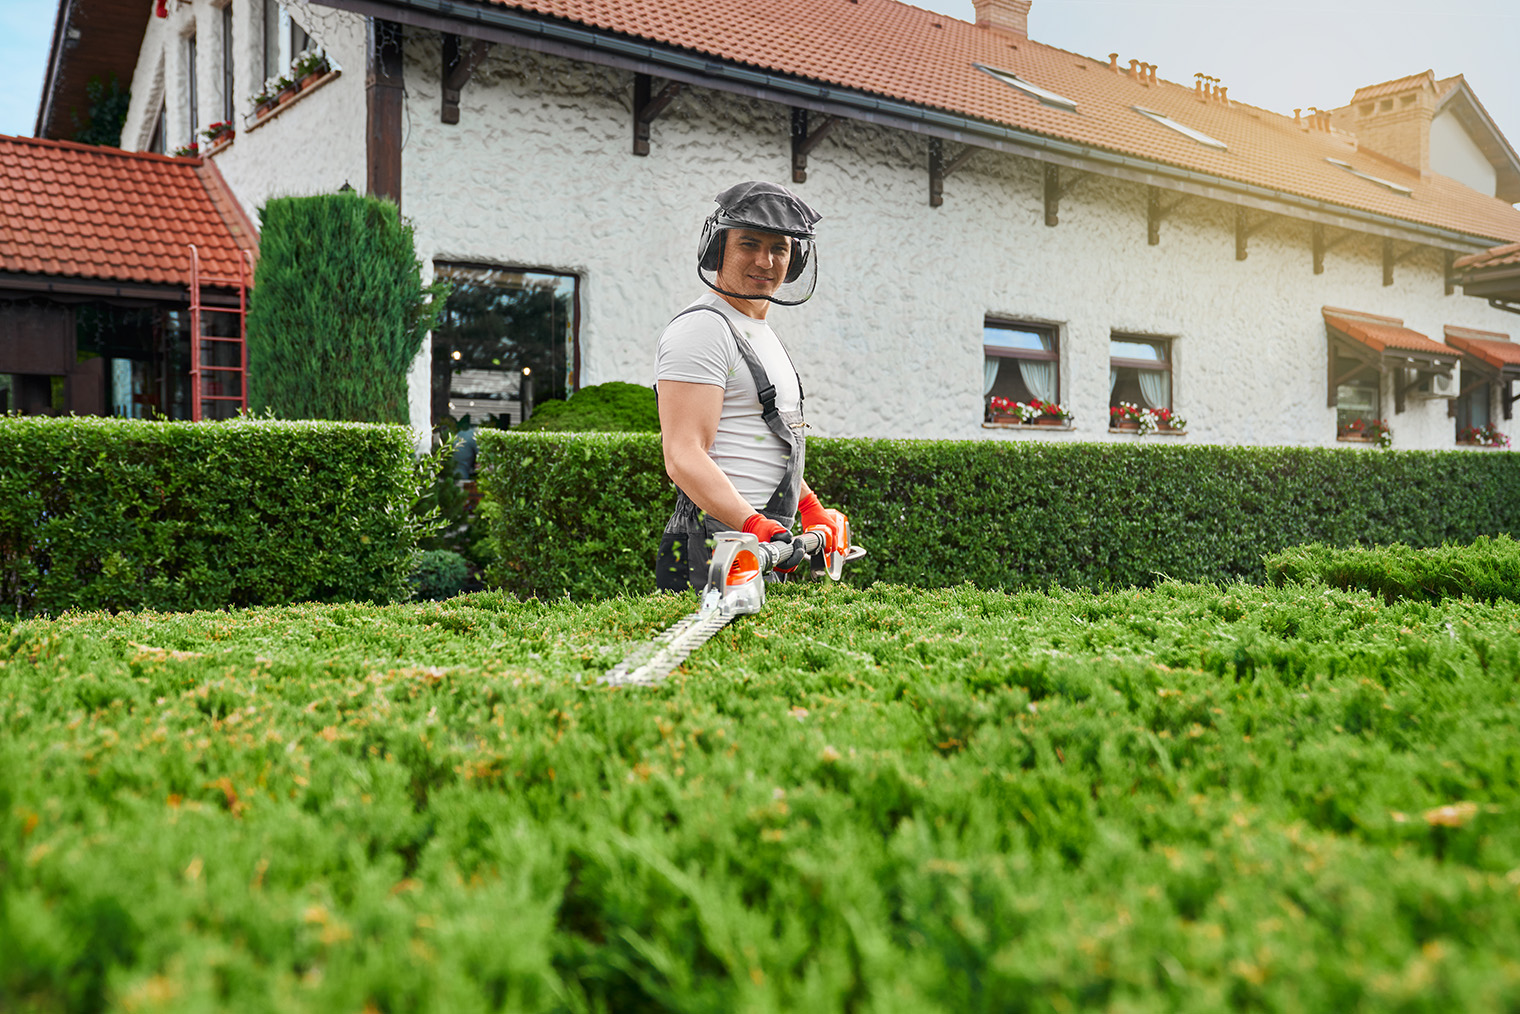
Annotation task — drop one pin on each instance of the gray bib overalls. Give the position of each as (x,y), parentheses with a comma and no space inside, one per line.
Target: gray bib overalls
(686,546)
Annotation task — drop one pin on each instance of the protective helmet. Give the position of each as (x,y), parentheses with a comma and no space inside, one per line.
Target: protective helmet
(761,207)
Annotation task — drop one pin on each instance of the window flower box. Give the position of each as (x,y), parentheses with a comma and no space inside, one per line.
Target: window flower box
(1370,431)
(309,67)
(1482,436)
(1030,413)
(1127,417)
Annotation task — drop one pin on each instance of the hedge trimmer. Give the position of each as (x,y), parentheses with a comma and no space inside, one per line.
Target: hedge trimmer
(735,587)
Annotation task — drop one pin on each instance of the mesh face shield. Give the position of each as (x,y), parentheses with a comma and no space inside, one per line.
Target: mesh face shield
(759,245)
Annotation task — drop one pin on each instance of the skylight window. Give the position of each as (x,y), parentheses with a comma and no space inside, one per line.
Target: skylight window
(1167,121)
(1034,91)
(1396,188)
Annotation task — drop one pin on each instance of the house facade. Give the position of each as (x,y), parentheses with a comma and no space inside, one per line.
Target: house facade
(1003,221)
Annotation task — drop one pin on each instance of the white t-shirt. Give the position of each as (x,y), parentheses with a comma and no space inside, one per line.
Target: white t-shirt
(698,349)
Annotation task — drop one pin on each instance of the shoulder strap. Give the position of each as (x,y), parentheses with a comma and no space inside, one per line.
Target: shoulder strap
(765,390)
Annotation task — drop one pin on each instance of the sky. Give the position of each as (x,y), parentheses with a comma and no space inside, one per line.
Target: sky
(1278,54)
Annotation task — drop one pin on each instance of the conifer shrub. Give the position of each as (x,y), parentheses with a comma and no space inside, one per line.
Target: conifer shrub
(1487,570)
(338,310)
(613,407)
(122,514)
(581,514)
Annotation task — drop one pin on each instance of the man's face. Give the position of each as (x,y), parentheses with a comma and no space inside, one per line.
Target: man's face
(754,263)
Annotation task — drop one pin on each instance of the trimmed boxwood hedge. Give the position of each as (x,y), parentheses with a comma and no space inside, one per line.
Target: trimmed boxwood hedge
(580,514)
(123,514)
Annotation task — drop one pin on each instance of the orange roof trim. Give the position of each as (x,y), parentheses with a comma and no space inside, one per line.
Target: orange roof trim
(1383,334)
(81,211)
(1491,347)
(1499,256)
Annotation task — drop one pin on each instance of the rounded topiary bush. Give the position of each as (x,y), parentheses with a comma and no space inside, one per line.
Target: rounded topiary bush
(440,574)
(613,407)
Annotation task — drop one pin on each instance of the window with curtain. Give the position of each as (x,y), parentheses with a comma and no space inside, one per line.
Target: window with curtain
(1020,362)
(1139,371)
(274,66)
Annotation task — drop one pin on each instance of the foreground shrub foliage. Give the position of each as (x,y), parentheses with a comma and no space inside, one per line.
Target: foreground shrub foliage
(123,514)
(1489,569)
(582,514)
(1189,798)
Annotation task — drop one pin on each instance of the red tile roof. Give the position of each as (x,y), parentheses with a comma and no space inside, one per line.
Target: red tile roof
(1509,253)
(894,50)
(1490,346)
(1395,86)
(82,211)
(1382,333)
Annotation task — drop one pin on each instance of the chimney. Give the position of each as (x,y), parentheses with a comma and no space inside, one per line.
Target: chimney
(1392,119)
(1004,15)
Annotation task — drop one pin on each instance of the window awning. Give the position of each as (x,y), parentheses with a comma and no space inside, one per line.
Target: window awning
(1383,343)
(1493,275)
(1487,357)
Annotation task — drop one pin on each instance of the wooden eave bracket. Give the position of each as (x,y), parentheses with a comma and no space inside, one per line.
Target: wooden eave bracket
(1323,246)
(646,109)
(939,168)
(458,64)
(1055,190)
(804,140)
(1244,230)
(1389,260)
(1156,213)
(1448,257)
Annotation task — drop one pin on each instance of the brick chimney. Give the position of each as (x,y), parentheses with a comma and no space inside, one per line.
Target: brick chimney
(1393,119)
(1005,15)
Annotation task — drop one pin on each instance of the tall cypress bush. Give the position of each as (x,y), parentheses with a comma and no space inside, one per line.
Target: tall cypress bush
(338,311)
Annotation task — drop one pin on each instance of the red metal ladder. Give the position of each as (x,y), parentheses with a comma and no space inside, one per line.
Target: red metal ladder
(207,378)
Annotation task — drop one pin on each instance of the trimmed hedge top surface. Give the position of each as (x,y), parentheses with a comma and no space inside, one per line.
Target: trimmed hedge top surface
(1181,799)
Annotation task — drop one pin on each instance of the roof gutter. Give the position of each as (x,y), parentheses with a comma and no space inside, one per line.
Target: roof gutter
(55,55)
(498,24)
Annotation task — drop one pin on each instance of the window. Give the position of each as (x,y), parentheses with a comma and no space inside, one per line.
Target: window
(1473,409)
(1139,372)
(1396,188)
(1020,362)
(507,340)
(1034,91)
(227,64)
(160,124)
(1358,402)
(284,39)
(1167,121)
(191,94)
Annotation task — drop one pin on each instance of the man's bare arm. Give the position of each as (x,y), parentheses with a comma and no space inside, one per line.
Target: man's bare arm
(689,415)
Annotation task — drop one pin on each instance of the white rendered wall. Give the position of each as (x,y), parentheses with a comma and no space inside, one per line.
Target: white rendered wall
(313,146)
(539,174)
(1453,153)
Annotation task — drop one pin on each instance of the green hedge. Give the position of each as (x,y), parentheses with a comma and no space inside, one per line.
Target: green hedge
(1488,570)
(121,514)
(581,514)
(613,407)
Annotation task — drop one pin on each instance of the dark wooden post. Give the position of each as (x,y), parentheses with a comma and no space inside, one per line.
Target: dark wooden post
(383,99)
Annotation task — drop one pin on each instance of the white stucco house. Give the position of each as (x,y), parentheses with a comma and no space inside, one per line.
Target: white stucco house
(1002,219)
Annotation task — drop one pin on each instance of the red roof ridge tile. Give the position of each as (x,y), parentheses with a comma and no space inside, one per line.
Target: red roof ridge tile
(1389,87)
(96,149)
(1472,333)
